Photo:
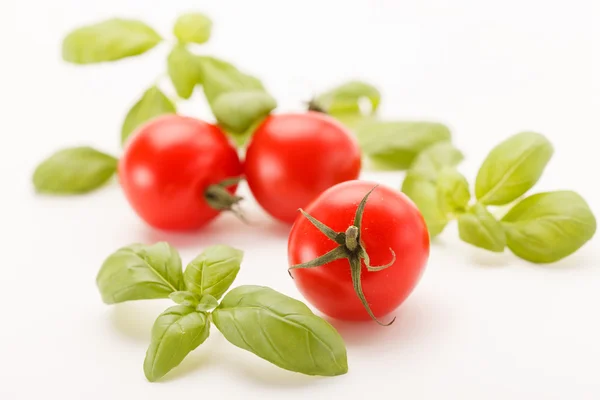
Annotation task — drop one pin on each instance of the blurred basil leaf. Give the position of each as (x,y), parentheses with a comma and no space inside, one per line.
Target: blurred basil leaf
(346,99)
(193,28)
(436,157)
(74,170)
(547,227)
(152,104)
(108,40)
(238,111)
(453,191)
(424,193)
(479,228)
(183,71)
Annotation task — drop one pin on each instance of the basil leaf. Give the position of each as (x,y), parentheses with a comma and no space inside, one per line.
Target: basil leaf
(347,98)
(479,228)
(436,157)
(109,40)
(73,171)
(354,121)
(139,272)
(423,192)
(183,71)
(547,227)
(213,271)
(185,298)
(453,191)
(238,111)
(512,168)
(280,330)
(193,28)
(394,145)
(176,332)
(220,77)
(152,104)
(207,303)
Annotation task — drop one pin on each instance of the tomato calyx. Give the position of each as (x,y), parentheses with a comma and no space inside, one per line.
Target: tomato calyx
(313,105)
(351,247)
(218,197)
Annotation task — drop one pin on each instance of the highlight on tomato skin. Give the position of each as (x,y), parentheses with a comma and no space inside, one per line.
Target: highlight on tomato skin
(292,158)
(179,173)
(392,234)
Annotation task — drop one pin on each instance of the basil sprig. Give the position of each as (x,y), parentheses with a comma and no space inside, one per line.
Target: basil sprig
(258,319)
(541,228)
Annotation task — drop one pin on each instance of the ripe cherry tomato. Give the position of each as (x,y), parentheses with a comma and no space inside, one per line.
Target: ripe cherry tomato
(292,158)
(392,233)
(172,169)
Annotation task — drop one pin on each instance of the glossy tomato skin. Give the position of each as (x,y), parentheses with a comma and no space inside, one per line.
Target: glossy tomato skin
(292,158)
(167,166)
(390,220)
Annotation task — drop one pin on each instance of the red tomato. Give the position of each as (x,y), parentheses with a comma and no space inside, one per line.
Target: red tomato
(392,231)
(171,169)
(292,158)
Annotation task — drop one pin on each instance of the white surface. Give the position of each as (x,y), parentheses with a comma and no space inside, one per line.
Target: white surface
(479,325)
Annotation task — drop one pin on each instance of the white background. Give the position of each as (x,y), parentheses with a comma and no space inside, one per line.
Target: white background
(479,325)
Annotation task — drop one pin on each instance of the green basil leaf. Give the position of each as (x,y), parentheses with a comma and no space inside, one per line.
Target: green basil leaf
(479,228)
(220,77)
(436,157)
(176,332)
(183,71)
(73,171)
(238,111)
(139,272)
(394,145)
(280,330)
(207,303)
(347,98)
(185,298)
(109,40)
(354,121)
(423,192)
(193,28)
(547,227)
(512,168)
(453,191)
(152,104)
(213,271)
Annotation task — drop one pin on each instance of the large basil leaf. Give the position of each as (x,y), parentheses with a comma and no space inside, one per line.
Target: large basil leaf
(346,98)
(183,71)
(140,272)
(452,190)
(213,271)
(479,228)
(74,171)
(238,111)
(424,193)
(436,157)
(193,28)
(281,330)
(152,104)
(512,168)
(176,332)
(394,145)
(109,40)
(547,227)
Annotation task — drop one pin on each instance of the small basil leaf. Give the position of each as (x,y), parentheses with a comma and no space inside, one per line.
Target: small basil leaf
(213,271)
(176,332)
(280,330)
(547,227)
(434,158)
(183,71)
(423,192)
(139,272)
(109,40)
(347,98)
(152,104)
(73,171)
(193,28)
(354,121)
(207,303)
(479,228)
(185,298)
(394,145)
(512,168)
(238,111)
(452,190)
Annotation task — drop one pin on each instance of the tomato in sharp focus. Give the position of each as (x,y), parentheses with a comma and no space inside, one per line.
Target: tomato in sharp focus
(177,172)
(292,158)
(391,231)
